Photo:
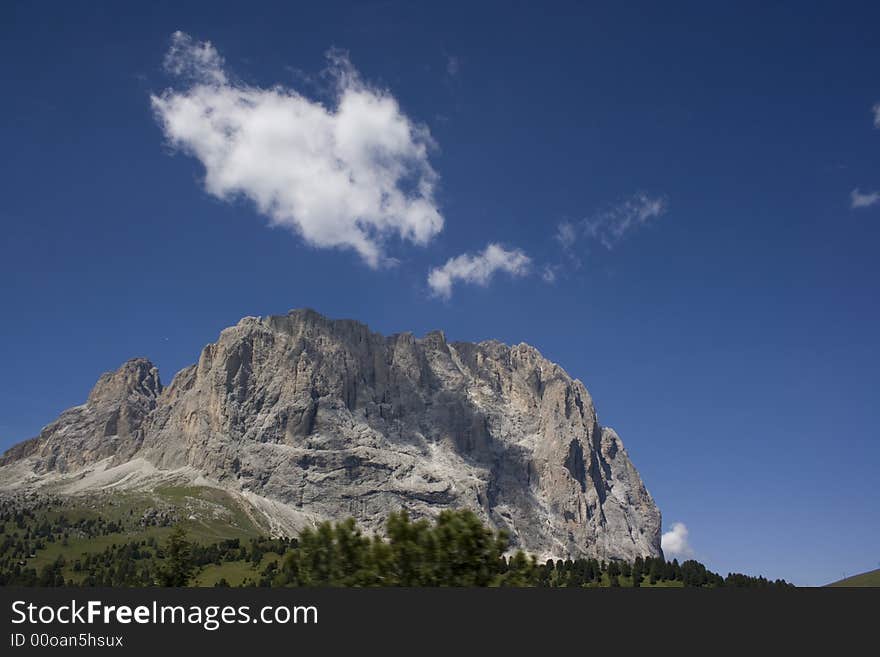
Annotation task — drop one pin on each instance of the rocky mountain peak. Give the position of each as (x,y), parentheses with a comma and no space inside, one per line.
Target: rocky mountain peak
(310,418)
(137,376)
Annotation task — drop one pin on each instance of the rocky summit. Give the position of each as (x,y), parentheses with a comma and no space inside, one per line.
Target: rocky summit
(305,418)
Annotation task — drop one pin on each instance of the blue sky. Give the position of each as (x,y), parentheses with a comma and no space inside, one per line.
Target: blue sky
(713,285)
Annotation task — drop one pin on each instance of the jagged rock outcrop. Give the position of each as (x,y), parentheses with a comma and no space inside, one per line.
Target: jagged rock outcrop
(109,424)
(316,418)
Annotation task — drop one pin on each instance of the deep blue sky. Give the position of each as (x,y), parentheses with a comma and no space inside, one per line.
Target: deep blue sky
(732,342)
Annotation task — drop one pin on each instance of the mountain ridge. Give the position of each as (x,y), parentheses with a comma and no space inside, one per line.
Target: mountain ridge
(308,418)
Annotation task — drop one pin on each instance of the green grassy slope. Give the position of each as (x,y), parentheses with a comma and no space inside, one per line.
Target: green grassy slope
(208,515)
(871,578)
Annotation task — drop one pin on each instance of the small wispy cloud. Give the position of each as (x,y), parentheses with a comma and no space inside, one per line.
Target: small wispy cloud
(566,234)
(548,273)
(608,226)
(859,199)
(453,65)
(477,269)
(351,174)
(675,543)
(614,223)
(196,61)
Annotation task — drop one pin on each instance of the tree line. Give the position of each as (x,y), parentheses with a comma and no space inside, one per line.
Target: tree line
(454,549)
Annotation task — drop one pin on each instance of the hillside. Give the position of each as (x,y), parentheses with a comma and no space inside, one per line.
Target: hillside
(127,541)
(870,578)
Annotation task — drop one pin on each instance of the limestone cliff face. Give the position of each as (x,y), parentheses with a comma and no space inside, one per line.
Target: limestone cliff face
(327,420)
(109,424)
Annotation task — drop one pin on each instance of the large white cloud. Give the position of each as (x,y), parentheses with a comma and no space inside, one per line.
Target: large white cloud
(477,268)
(675,543)
(351,175)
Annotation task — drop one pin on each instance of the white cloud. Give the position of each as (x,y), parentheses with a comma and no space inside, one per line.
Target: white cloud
(566,234)
(860,200)
(674,543)
(351,175)
(857,199)
(612,224)
(194,60)
(548,274)
(477,268)
(453,65)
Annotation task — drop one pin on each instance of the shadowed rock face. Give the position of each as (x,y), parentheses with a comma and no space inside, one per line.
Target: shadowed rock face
(331,420)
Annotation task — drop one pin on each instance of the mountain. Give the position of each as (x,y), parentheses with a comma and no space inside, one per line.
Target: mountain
(303,418)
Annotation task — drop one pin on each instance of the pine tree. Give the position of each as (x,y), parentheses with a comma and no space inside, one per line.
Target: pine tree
(178,567)
(637,574)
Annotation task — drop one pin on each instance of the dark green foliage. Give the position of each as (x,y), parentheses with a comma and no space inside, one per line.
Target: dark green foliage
(455,549)
(178,567)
